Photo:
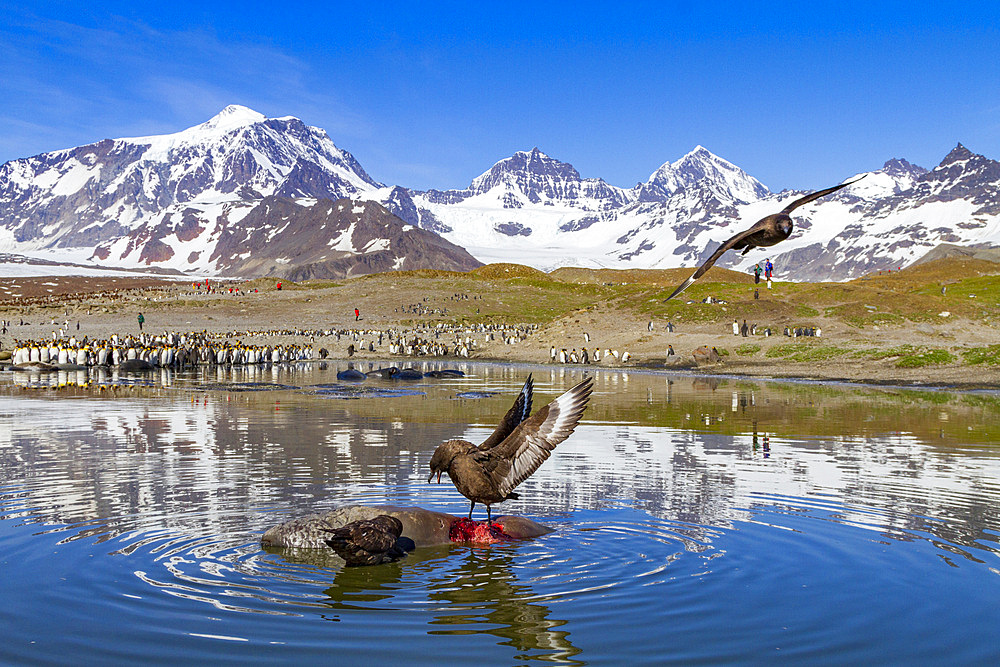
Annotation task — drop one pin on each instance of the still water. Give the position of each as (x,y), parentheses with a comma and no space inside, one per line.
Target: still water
(697,521)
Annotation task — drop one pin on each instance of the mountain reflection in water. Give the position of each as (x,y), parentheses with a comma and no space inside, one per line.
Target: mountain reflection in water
(668,482)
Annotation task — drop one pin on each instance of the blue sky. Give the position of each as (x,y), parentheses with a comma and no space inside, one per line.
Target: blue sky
(431,95)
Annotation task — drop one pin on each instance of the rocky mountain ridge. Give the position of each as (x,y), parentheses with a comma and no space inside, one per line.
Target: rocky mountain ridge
(242,194)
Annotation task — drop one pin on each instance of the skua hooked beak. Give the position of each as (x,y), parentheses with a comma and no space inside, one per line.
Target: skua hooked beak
(432,477)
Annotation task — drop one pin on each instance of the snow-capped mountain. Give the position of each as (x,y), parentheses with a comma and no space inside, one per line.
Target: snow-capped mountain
(243,194)
(701,169)
(541,215)
(290,238)
(204,199)
(93,193)
(864,227)
(540,211)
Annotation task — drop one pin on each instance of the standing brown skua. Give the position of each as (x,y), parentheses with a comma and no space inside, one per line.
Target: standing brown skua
(489,473)
(767,231)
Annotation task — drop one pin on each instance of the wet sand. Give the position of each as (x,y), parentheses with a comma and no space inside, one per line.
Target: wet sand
(295,315)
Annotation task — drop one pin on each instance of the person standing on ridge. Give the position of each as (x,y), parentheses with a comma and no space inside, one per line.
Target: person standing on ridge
(357,314)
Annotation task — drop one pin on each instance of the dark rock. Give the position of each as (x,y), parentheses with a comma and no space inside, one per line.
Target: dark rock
(476,394)
(241,387)
(355,391)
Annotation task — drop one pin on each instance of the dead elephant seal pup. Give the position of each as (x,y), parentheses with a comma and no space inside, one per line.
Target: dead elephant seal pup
(423,527)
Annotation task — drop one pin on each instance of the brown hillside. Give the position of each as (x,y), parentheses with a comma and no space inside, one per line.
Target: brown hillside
(943,271)
(504,270)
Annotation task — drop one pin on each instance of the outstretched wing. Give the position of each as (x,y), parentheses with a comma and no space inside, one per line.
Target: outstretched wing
(728,245)
(513,460)
(816,195)
(731,243)
(518,412)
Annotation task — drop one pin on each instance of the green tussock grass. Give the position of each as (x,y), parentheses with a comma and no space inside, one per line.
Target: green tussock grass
(909,356)
(989,355)
(747,349)
(806,352)
(927,357)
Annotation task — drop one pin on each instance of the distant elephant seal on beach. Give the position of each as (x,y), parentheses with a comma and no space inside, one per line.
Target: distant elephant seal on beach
(384,373)
(424,527)
(35,366)
(132,365)
(445,373)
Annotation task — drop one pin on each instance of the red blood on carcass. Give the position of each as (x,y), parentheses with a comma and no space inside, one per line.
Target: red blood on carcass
(477,532)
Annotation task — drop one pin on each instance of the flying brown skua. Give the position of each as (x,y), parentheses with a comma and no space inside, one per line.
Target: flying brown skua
(765,232)
(489,473)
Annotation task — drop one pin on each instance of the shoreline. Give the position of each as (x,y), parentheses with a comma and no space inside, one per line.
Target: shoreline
(437,310)
(694,372)
(727,373)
